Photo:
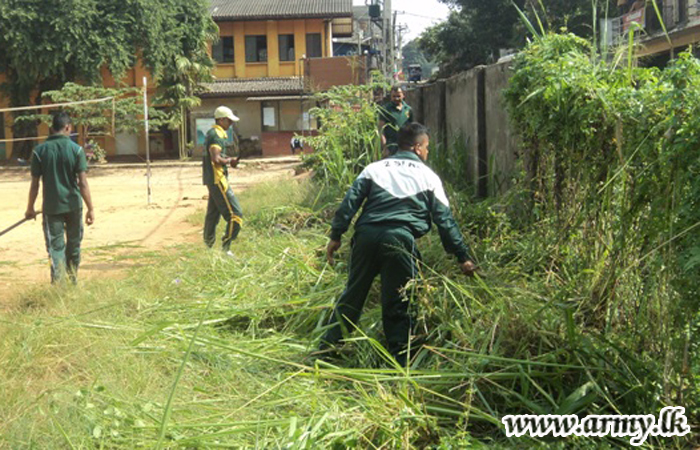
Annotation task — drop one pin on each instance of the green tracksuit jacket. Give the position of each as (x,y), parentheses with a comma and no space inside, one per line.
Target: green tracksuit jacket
(402,197)
(403,191)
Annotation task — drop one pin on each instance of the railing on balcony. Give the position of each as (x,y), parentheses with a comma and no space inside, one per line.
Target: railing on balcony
(675,14)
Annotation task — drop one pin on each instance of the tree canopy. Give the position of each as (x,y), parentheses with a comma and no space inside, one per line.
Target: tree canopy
(476,30)
(43,44)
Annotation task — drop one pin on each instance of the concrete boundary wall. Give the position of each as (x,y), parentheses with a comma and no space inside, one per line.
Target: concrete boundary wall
(434,110)
(502,145)
(463,121)
(468,112)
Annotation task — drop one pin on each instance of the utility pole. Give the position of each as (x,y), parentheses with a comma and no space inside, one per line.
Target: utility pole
(383,43)
(388,40)
(399,46)
(394,49)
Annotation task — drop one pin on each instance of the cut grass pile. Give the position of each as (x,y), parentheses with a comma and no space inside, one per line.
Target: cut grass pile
(95,366)
(198,350)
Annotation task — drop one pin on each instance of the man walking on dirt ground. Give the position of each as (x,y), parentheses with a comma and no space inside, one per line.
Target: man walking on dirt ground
(401,197)
(61,165)
(393,116)
(222,202)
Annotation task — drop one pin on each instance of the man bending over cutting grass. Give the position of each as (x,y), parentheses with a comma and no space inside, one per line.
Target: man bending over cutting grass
(61,165)
(402,197)
(222,202)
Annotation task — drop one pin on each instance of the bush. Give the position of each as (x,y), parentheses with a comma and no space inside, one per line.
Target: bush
(94,153)
(611,176)
(348,137)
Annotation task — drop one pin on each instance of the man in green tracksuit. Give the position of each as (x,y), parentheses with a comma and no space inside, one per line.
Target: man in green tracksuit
(61,164)
(222,202)
(393,116)
(401,197)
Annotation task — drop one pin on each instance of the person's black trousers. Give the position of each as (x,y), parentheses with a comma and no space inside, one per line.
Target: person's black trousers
(390,252)
(222,203)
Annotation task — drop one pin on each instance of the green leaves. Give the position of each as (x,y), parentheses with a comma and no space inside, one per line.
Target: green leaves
(462,41)
(349,137)
(43,45)
(96,118)
(613,162)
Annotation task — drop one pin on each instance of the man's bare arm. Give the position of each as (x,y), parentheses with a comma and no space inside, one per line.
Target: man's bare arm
(87,197)
(381,125)
(216,158)
(33,194)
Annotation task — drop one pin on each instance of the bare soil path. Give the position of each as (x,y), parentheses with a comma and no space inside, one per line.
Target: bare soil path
(124,222)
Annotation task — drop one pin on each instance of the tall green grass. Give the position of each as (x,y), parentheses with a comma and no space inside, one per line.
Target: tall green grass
(349,135)
(224,342)
(577,308)
(612,164)
(589,303)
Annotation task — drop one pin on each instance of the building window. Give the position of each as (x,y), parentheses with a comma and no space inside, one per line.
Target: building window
(682,11)
(291,115)
(256,49)
(286,47)
(313,45)
(222,51)
(269,116)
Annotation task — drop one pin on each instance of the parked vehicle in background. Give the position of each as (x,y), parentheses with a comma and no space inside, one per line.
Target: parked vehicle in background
(415,73)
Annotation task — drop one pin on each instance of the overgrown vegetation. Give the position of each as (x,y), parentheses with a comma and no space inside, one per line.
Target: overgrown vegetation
(592,258)
(349,136)
(613,172)
(206,351)
(585,303)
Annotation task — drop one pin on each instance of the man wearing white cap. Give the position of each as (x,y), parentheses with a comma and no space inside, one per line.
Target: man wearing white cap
(222,202)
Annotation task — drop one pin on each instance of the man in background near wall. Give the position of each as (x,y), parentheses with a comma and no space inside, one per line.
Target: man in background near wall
(222,202)
(61,165)
(393,115)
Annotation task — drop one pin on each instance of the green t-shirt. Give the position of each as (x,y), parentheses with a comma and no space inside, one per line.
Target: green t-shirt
(58,161)
(395,119)
(213,173)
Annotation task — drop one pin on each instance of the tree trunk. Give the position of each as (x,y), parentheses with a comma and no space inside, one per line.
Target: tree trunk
(23,149)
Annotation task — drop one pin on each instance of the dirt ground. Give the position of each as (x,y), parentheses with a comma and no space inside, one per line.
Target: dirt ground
(124,222)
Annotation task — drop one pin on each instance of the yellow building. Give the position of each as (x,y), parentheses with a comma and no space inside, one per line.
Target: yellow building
(264,51)
(270,56)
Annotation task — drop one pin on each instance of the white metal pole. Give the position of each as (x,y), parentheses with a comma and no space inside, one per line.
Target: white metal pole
(148,150)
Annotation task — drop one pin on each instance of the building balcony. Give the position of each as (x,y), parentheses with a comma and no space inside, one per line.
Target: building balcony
(680,18)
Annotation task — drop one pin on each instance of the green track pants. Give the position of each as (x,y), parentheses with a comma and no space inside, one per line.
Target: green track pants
(222,202)
(63,234)
(390,252)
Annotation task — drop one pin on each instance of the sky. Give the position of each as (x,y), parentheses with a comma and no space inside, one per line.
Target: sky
(416,15)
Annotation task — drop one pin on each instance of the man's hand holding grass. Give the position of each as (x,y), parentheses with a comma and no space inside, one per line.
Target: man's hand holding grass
(332,247)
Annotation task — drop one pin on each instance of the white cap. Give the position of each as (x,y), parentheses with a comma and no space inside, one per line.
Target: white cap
(223,112)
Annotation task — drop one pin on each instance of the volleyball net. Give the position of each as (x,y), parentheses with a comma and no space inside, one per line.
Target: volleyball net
(107,113)
(93,118)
